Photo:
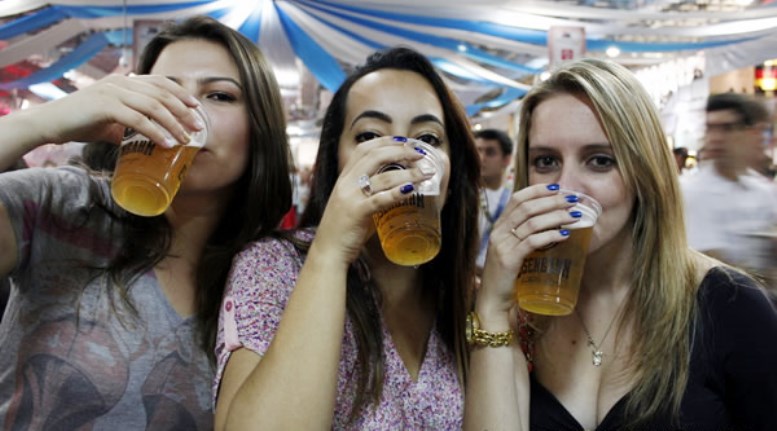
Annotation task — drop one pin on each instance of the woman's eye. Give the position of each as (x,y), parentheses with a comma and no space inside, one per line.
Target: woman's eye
(430,139)
(222,97)
(366,136)
(544,163)
(602,162)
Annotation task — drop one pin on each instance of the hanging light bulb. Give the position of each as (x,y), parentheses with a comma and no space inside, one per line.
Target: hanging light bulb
(613,51)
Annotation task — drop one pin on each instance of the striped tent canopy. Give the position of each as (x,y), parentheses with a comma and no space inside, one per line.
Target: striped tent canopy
(488,50)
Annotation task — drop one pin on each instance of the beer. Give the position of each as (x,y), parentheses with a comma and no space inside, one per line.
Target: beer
(409,232)
(549,280)
(147,175)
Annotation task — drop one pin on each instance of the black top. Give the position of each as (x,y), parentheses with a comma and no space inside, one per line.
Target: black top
(733,374)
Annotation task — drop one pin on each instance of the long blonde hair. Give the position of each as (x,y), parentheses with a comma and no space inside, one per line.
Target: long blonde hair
(664,281)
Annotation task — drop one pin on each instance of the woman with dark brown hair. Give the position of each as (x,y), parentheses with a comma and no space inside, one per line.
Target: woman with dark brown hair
(322,331)
(112,319)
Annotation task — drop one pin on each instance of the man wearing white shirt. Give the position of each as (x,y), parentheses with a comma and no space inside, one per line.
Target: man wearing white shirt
(730,210)
(496,150)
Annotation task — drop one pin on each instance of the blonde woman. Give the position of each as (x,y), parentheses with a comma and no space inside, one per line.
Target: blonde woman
(684,342)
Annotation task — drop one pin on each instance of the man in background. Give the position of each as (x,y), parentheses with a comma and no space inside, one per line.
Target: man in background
(730,210)
(680,158)
(496,150)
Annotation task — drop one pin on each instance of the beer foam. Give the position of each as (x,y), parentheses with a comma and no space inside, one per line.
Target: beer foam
(591,211)
(433,160)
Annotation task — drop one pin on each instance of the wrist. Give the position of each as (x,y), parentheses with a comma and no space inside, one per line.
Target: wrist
(478,336)
(325,260)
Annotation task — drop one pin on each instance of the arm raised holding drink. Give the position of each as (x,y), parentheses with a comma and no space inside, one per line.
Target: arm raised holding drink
(102,111)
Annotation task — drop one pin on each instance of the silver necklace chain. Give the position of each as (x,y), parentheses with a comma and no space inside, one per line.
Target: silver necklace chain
(597,356)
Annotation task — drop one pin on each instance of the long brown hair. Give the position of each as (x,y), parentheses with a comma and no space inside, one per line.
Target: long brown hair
(664,281)
(262,195)
(449,276)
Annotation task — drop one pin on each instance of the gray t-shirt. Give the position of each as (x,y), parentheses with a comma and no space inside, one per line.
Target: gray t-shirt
(70,358)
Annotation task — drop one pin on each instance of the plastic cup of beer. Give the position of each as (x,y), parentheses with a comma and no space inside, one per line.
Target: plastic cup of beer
(549,280)
(147,175)
(409,232)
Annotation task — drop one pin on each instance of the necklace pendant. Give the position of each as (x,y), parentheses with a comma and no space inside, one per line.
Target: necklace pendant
(596,357)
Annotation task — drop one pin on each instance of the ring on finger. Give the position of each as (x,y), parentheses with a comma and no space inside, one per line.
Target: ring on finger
(365,185)
(514,231)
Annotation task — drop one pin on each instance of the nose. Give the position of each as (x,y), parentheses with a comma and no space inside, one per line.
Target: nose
(570,178)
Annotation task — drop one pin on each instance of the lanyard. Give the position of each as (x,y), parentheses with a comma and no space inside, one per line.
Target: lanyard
(499,208)
(503,198)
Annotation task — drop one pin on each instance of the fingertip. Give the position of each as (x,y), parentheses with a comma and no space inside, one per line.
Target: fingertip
(192,102)
(170,143)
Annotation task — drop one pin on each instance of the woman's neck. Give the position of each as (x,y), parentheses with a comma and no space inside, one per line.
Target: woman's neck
(397,284)
(609,270)
(193,222)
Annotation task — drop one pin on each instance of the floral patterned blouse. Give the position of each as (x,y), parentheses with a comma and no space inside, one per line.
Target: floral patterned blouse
(262,278)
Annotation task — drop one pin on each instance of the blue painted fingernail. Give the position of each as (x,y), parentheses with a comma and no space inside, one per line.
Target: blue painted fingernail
(576,214)
(572,199)
(553,187)
(400,138)
(407,188)
(564,232)
(420,150)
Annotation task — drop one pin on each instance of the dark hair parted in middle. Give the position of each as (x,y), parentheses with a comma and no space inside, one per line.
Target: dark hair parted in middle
(449,276)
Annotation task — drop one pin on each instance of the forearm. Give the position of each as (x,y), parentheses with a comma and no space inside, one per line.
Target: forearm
(20,132)
(295,384)
(497,395)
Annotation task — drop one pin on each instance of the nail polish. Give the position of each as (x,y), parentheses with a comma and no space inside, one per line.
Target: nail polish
(576,214)
(553,187)
(564,232)
(407,188)
(572,199)
(420,150)
(400,139)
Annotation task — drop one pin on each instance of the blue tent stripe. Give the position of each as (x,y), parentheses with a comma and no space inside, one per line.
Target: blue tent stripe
(323,66)
(218,14)
(529,36)
(83,53)
(509,95)
(484,57)
(447,67)
(438,41)
(53,14)
(118,37)
(536,37)
(252,25)
(32,22)
(601,45)
(109,11)
(356,36)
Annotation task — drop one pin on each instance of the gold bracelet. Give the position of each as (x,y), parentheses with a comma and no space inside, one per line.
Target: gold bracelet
(477,337)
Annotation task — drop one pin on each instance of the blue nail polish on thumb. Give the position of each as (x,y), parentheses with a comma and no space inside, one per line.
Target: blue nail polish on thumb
(400,139)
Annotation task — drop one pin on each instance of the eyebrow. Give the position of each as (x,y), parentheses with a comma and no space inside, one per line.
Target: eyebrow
(588,147)
(212,79)
(424,118)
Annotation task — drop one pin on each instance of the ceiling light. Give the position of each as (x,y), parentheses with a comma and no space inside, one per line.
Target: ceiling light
(613,51)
